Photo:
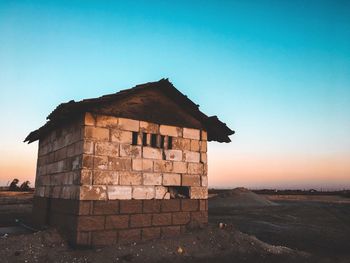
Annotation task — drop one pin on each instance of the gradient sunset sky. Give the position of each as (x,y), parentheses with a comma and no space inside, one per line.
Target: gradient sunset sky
(277,72)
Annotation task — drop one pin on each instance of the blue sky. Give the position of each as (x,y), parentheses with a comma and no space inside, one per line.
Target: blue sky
(277,72)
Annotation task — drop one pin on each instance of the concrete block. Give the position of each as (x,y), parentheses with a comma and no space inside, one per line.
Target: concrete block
(152,178)
(191,156)
(205,169)
(152,153)
(171,179)
(160,192)
(87,161)
(204,158)
(130,178)
(96,133)
(199,192)
(147,165)
(119,164)
(100,163)
(129,124)
(86,177)
(137,164)
(162,166)
(106,121)
(149,127)
(191,180)
(132,151)
(69,192)
(173,155)
(89,119)
(204,136)
(143,192)
(121,136)
(179,167)
(203,146)
(191,133)
(170,130)
(107,148)
(96,192)
(119,192)
(204,181)
(195,145)
(70,150)
(39,191)
(195,168)
(105,178)
(181,144)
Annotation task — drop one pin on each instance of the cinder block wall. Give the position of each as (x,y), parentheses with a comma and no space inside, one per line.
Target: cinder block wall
(108,179)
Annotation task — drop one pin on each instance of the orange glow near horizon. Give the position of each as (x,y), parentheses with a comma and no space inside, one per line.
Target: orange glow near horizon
(225,171)
(251,171)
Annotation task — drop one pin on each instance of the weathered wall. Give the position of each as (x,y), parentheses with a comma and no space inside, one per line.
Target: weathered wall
(59,162)
(99,189)
(113,169)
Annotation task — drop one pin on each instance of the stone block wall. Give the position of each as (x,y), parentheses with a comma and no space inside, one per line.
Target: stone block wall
(103,179)
(59,162)
(120,161)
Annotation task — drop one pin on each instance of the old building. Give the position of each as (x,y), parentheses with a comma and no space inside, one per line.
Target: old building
(125,167)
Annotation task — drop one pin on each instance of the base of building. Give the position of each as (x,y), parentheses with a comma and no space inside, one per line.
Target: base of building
(100,223)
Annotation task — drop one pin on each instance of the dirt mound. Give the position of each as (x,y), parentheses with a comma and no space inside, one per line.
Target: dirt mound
(207,245)
(239,197)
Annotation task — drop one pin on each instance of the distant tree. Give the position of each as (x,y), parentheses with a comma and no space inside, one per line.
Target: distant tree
(13,185)
(25,186)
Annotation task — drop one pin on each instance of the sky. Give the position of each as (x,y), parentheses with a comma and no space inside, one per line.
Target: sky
(276,72)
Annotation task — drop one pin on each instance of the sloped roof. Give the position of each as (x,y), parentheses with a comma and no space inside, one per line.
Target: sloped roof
(217,130)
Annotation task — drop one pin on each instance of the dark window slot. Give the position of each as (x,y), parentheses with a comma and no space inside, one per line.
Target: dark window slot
(154,140)
(162,137)
(170,142)
(134,138)
(144,139)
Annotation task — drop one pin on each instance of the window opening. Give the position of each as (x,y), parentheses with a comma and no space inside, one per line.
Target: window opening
(134,138)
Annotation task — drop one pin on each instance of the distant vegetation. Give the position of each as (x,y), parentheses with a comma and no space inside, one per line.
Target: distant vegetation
(22,188)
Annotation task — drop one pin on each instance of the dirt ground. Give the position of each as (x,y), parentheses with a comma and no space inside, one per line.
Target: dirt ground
(298,230)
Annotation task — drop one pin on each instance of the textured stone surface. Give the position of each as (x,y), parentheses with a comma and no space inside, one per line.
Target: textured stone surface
(130,178)
(105,178)
(191,133)
(191,156)
(170,130)
(151,153)
(191,180)
(179,167)
(162,166)
(96,133)
(149,127)
(173,155)
(152,178)
(143,192)
(129,125)
(88,192)
(95,223)
(119,192)
(89,119)
(132,151)
(171,179)
(181,144)
(107,148)
(195,168)
(121,136)
(106,121)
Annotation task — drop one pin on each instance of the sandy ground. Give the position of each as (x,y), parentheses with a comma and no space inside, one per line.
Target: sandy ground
(287,231)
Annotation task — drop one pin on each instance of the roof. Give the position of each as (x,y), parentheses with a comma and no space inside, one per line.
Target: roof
(65,112)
